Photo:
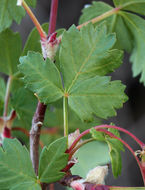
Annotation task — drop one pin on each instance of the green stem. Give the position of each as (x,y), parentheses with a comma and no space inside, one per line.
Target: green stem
(101,17)
(7,96)
(65,115)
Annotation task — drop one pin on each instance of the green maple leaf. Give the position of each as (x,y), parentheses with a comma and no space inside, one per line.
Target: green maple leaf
(16,167)
(10,12)
(87,53)
(10,51)
(84,57)
(52,160)
(129,29)
(42,77)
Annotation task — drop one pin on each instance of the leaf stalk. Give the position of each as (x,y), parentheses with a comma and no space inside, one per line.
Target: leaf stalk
(101,17)
(65,115)
(7,95)
(34,20)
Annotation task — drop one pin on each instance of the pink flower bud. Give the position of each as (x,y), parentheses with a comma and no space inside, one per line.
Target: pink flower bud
(49,46)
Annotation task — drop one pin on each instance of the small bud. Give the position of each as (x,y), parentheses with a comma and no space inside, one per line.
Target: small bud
(19,2)
(49,46)
(97,175)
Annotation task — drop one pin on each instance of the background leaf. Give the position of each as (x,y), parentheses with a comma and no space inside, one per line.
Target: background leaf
(15,165)
(52,160)
(10,12)
(129,29)
(10,51)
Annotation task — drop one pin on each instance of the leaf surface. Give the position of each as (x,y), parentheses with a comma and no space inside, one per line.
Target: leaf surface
(15,165)
(10,50)
(97,96)
(41,77)
(87,53)
(52,160)
(137,6)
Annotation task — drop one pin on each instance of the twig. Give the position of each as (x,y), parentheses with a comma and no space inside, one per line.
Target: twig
(38,118)
(37,123)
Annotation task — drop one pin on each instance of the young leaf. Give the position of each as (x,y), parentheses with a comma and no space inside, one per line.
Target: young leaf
(87,53)
(10,50)
(115,148)
(96,96)
(52,160)
(41,77)
(97,135)
(15,165)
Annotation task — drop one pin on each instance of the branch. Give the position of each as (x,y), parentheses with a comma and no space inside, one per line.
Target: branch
(38,118)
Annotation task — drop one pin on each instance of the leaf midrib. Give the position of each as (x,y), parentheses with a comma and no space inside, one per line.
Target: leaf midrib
(82,66)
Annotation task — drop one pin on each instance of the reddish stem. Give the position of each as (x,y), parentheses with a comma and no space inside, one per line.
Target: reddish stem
(41,108)
(141,144)
(98,128)
(53,16)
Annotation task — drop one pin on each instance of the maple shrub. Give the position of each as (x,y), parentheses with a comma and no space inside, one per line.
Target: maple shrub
(55,93)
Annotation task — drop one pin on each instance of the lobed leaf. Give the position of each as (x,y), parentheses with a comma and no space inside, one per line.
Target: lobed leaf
(15,165)
(41,77)
(52,160)
(87,53)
